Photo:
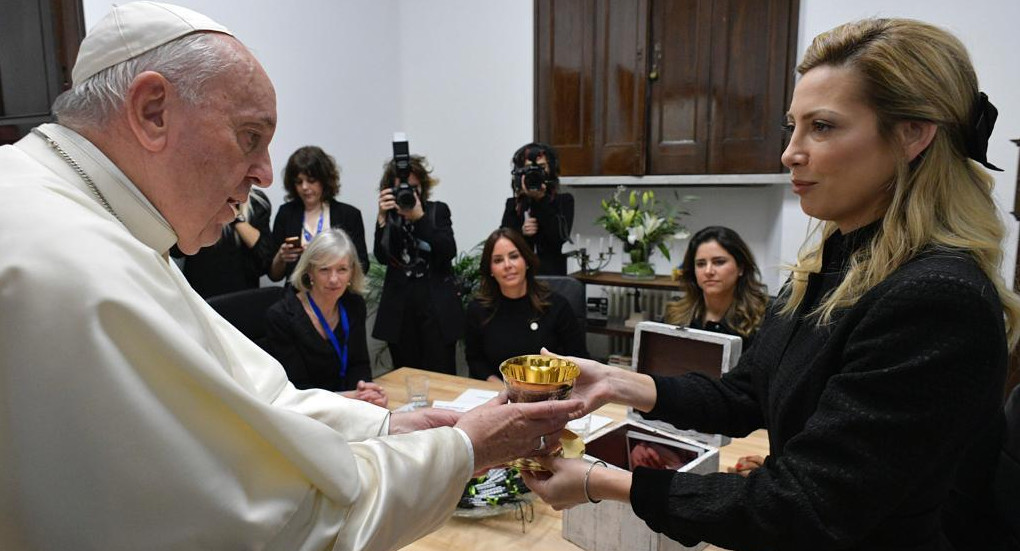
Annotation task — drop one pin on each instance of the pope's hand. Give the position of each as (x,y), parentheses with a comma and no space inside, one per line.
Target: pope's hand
(501,431)
(421,419)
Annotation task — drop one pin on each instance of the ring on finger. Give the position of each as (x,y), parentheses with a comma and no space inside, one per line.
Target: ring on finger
(541,443)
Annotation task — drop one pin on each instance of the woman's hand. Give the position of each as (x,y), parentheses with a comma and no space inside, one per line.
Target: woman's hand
(289,252)
(387,203)
(593,385)
(371,393)
(746,464)
(530,227)
(562,486)
(601,384)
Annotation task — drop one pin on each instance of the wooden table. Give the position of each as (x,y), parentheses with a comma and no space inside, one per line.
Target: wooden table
(504,532)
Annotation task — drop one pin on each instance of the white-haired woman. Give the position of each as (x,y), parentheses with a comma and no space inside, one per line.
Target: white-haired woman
(318,331)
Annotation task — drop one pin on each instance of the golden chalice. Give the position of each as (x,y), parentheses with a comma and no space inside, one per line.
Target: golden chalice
(534,378)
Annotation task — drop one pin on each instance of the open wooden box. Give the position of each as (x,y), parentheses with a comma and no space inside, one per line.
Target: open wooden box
(663,349)
(613,526)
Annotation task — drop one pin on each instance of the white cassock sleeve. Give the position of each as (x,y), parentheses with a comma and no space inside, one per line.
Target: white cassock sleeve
(133,417)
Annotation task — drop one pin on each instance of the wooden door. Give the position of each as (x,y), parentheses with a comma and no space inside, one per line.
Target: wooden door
(590,85)
(564,81)
(678,81)
(621,36)
(750,76)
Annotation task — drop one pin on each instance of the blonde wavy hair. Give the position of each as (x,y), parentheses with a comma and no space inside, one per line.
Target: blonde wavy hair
(913,71)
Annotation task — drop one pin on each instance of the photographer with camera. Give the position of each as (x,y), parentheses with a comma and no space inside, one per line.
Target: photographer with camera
(420,315)
(537,210)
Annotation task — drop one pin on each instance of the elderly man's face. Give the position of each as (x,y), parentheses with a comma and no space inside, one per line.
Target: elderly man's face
(224,151)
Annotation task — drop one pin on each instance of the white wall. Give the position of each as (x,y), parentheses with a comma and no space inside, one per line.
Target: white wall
(457,76)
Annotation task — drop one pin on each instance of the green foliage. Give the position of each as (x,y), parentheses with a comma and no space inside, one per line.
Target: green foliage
(467,272)
(641,222)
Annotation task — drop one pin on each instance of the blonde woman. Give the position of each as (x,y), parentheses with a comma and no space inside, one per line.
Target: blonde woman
(318,331)
(880,375)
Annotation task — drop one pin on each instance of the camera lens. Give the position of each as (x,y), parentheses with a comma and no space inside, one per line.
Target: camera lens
(403,194)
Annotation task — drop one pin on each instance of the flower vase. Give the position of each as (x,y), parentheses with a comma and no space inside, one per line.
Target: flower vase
(639,266)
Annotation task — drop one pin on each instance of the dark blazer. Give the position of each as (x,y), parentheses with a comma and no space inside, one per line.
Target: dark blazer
(436,229)
(884,425)
(229,265)
(310,360)
(341,215)
(490,338)
(555,219)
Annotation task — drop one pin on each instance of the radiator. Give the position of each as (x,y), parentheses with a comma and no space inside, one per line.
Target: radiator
(621,304)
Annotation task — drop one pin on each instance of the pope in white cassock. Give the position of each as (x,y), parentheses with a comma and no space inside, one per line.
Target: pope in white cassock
(131,415)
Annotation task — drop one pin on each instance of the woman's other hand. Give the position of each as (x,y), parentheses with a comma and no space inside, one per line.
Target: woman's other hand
(746,464)
(562,485)
(371,393)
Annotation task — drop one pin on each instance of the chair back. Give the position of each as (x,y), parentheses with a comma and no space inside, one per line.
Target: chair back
(246,310)
(572,290)
(1006,487)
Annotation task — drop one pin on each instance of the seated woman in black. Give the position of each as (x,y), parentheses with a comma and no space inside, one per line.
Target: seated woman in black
(318,331)
(513,314)
(721,285)
(312,181)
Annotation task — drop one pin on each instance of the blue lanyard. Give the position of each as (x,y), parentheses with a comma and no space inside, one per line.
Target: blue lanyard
(318,229)
(341,351)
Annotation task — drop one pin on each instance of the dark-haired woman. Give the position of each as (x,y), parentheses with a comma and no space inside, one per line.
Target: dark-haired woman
(513,314)
(721,285)
(312,181)
(538,210)
(420,315)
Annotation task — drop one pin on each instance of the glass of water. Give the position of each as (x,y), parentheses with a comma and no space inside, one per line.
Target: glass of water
(417,390)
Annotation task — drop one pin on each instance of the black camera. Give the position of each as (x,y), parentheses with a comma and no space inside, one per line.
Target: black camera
(403,192)
(534,176)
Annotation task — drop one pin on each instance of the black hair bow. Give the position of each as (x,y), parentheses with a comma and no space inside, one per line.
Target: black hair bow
(982,122)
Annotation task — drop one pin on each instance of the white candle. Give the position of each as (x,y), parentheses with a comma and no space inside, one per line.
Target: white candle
(600,245)
(577,240)
(587,245)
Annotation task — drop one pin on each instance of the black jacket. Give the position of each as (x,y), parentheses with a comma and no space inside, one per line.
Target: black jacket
(555,219)
(229,265)
(436,229)
(491,338)
(310,360)
(341,215)
(883,425)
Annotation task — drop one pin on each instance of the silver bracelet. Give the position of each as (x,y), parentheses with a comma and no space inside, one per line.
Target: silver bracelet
(587,474)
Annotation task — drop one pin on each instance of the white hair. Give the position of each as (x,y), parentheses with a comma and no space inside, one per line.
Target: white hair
(326,248)
(187,63)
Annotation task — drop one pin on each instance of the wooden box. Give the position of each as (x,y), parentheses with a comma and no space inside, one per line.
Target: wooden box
(663,349)
(612,525)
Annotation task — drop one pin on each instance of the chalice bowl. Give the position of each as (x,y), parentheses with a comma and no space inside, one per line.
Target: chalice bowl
(534,378)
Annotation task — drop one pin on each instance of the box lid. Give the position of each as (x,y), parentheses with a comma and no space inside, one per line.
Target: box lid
(670,350)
